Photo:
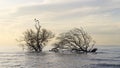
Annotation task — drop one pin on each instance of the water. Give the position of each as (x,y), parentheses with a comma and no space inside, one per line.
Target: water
(106,57)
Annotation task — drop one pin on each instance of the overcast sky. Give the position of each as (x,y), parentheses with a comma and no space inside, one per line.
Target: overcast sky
(100,18)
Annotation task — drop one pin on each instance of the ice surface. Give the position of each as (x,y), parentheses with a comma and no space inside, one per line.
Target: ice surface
(106,57)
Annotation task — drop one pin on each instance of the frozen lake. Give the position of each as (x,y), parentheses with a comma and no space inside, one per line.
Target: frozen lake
(106,57)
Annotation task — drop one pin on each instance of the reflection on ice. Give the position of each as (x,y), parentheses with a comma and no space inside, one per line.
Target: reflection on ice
(106,57)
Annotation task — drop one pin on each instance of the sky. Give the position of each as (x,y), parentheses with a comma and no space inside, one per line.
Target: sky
(100,18)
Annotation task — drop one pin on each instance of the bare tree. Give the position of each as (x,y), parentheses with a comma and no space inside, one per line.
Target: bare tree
(76,40)
(36,39)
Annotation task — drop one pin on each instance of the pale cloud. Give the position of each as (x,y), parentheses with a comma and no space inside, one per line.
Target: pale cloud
(68,9)
(63,1)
